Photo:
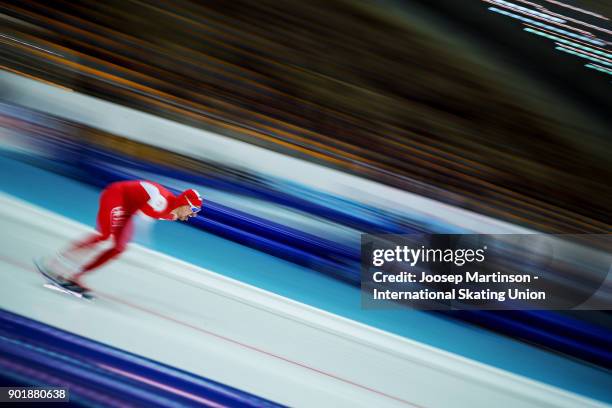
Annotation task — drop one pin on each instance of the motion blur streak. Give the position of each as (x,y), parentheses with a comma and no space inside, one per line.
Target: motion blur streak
(496,10)
(597,67)
(577,9)
(537,23)
(561,40)
(304,125)
(582,52)
(582,55)
(568,18)
(554,34)
(192,397)
(524,10)
(29,45)
(35,78)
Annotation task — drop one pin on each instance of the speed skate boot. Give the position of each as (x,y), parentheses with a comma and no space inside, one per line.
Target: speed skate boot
(75,287)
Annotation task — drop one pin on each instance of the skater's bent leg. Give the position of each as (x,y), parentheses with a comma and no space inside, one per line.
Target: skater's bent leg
(110,222)
(106,220)
(99,261)
(122,237)
(68,259)
(87,242)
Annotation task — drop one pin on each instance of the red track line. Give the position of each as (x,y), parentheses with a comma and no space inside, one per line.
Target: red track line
(229,340)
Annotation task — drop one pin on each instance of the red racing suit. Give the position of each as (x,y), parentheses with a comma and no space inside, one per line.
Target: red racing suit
(118,204)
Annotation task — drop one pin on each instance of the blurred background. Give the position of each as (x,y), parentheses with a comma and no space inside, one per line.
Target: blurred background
(306,124)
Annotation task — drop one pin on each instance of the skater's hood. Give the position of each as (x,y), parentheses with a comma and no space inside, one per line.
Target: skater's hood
(188,197)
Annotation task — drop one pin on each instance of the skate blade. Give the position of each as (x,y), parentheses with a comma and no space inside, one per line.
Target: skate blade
(66,291)
(58,289)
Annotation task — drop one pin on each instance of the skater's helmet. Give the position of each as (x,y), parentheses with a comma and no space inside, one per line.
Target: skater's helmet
(191,198)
